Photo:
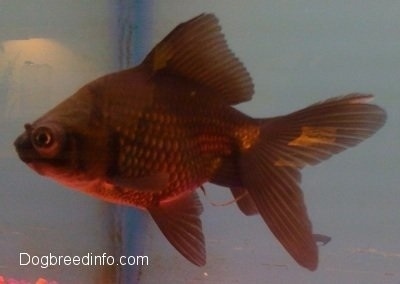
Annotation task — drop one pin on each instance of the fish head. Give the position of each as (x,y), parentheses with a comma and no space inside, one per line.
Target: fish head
(70,143)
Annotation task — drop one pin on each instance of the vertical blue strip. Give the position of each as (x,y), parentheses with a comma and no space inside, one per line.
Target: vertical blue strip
(134,33)
(133,27)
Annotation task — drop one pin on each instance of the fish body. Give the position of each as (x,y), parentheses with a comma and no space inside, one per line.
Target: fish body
(164,144)
(149,136)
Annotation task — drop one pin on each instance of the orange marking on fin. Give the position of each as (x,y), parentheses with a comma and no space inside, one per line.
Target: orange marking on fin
(161,57)
(315,135)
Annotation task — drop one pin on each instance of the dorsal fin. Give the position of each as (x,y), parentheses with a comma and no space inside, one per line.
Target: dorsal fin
(197,50)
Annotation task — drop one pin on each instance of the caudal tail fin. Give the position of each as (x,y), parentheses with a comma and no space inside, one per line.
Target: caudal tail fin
(270,169)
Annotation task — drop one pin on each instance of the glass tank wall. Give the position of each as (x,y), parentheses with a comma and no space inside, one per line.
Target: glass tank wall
(49,49)
(297,52)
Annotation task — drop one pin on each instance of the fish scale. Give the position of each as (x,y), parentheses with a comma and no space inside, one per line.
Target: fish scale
(172,151)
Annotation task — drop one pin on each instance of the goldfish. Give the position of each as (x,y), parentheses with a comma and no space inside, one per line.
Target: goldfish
(151,135)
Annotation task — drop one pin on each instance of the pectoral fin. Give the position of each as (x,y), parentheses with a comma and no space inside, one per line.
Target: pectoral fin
(179,220)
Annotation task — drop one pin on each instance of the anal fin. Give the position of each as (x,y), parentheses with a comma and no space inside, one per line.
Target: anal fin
(244,201)
(179,221)
(228,176)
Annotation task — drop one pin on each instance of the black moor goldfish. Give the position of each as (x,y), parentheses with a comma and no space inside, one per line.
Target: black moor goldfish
(149,136)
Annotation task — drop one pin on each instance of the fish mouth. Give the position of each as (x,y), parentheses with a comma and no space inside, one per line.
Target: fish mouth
(27,153)
(24,148)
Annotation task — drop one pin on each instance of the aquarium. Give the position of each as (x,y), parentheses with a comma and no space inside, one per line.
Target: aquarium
(297,53)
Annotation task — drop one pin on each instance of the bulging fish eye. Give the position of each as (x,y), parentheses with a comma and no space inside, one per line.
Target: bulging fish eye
(42,137)
(47,140)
